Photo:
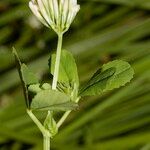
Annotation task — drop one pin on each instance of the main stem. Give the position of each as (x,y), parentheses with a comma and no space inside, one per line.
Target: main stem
(46,141)
(46,135)
(57,62)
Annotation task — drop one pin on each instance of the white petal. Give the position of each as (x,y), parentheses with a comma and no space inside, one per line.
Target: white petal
(72,14)
(35,11)
(65,11)
(73,2)
(55,8)
(51,9)
(61,4)
(43,11)
(62,1)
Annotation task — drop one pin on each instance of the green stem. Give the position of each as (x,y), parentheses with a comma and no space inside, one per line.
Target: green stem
(36,121)
(46,134)
(57,62)
(63,118)
(65,115)
(46,143)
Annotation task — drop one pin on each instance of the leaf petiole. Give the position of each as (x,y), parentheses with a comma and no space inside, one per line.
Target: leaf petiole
(65,115)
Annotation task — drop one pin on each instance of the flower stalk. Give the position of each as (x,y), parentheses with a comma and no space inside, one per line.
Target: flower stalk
(57,62)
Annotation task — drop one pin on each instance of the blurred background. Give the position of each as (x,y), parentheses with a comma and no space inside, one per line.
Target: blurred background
(103,30)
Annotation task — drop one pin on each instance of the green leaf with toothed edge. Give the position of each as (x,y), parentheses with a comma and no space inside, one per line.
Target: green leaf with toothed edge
(112,75)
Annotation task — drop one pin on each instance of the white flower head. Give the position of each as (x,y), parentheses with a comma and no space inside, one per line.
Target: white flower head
(57,14)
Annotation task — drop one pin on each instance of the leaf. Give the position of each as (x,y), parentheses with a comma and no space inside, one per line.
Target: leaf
(25,90)
(52,100)
(35,88)
(28,77)
(97,78)
(67,70)
(68,75)
(50,124)
(112,75)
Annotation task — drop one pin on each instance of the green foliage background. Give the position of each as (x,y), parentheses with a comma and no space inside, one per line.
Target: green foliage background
(104,30)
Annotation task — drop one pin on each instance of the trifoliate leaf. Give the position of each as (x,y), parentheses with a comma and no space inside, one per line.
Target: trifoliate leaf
(52,100)
(112,75)
(50,124)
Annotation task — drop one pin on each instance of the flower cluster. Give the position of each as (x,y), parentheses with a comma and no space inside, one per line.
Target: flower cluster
(57,14)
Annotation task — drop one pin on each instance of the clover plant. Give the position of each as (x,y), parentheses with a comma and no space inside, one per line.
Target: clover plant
(65,91)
